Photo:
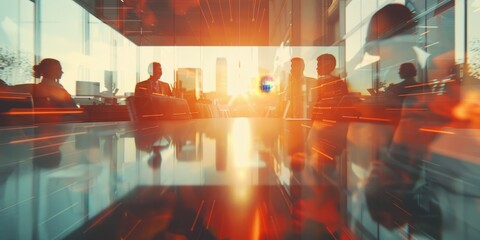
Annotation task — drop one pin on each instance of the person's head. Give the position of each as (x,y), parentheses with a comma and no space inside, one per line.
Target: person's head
(297,65)
(407,70)
(48,68)
(326,63)
(389,21)
(155,70)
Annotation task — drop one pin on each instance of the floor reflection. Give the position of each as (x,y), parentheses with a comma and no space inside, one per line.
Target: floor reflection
(234,179)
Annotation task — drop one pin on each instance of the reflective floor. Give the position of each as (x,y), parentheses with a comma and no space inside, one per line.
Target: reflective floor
(238,178)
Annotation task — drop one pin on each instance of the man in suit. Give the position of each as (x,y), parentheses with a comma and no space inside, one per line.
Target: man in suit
(153,85)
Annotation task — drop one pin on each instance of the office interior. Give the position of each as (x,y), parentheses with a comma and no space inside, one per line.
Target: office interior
(227,156)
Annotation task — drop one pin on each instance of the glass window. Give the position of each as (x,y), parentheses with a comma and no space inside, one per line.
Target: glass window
(62,38)
(473,38)
(16,41)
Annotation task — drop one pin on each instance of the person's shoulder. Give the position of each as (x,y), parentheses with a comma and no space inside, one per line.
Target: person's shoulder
(142,83)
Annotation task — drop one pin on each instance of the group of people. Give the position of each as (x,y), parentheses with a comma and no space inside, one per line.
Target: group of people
(50,93)
(304,92)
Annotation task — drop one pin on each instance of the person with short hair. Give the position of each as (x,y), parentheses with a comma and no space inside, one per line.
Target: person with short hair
(153,85)
(329,85)
(407,72)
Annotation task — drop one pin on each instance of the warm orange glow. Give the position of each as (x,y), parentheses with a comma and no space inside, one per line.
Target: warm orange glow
(45,138)
(256,225)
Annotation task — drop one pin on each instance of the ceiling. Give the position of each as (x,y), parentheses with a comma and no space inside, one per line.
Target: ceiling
(186,22)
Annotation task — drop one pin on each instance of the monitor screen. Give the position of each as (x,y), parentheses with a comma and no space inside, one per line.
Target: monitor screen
(86,88)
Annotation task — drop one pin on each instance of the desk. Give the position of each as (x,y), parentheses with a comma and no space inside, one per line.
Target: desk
(221,177)
(105,113)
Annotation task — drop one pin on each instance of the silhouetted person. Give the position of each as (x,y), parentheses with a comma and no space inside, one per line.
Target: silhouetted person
(330,89)
(330,86)
(298,90)
(153,85)
(407,72)
(49,92)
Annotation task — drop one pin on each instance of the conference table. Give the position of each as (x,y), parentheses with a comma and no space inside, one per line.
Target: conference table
(218,178)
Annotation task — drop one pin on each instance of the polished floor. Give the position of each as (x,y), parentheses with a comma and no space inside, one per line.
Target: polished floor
(238,178)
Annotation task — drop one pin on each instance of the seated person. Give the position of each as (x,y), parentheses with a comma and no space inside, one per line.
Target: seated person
(153,85)
(49,93)
(148,103)
(407,72)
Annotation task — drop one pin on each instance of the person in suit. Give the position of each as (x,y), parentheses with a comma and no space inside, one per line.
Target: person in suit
(330,86)
(153,85)
(298,89)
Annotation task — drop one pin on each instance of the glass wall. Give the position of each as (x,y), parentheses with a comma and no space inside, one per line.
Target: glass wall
(16,41)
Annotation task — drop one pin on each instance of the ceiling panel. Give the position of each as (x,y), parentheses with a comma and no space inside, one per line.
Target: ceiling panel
(185,22)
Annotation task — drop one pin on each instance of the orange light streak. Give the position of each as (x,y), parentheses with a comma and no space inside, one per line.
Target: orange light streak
(305,126)
(403,210)
(329,121)
(153,115)
(131,230)
(351,117)
(406,109)
(376,119)
(430,83)
(198,214)
(419,94)
(41,112)
(100,125)
(17,128)
(435,131)
(20,98)
(324,154)
(45,138)
(51,145)
(210,215)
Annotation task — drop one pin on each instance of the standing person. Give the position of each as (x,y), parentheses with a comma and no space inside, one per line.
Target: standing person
(153,85)
(330,89)
(298,89)
(329,85)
